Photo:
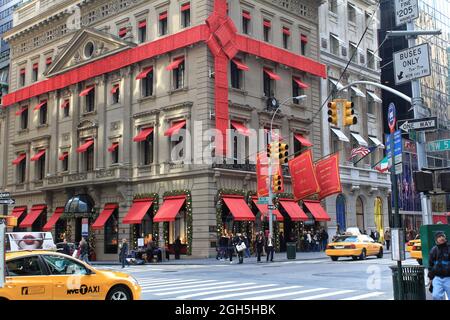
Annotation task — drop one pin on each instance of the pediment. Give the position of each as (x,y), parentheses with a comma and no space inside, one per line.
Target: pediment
(86,46)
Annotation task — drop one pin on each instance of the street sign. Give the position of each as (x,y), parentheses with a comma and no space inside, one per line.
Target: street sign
(398,244)
(399,168)
(412,63)
(398,147)
(7,201)
(84,227)
(271,207)
(392,116)
(438,145)
(405,11)
(426,124)
(5,195)
(263,200)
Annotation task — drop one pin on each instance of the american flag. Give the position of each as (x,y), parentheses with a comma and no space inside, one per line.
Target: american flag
(362,151)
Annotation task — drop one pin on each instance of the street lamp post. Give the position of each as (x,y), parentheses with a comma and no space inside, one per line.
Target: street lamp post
(269,140)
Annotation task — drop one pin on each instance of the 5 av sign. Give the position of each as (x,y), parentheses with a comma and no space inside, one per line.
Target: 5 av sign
(406,10)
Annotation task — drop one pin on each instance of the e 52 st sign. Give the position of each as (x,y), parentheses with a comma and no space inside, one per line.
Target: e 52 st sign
(406,10)
(412,63)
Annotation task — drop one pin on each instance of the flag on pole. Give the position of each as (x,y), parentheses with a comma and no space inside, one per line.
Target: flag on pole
(361,151)
(383,165)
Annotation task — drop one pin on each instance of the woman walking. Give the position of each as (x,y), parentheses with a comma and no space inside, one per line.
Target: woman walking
(259,245)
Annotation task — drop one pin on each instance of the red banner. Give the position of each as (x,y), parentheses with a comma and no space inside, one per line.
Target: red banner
(327,173)
(262,174)
(304,181)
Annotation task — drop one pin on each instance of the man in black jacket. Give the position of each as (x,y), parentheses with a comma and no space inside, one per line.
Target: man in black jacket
(439,267)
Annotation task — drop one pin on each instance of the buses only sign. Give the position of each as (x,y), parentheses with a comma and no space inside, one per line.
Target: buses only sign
(412,63)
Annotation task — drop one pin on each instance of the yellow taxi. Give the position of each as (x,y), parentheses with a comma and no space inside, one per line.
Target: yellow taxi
(416,252)
(355,246)
(48,275)
(411,243)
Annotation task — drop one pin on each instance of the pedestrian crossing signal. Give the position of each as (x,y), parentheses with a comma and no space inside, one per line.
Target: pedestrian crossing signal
(349,117)
(332,113)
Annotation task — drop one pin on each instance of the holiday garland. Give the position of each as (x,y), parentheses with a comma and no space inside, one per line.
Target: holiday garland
(187,193)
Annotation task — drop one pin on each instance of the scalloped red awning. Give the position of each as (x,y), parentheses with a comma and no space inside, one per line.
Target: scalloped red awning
(272,74)
(20,111)
(86,91)
(40,105)
(143,74)
(56,215)
(240,65)
(142,24)
(115,88)
(238,208)
(246,15)
(185,6)
(48,60)
(143,134)
(137,211)
(104,215)
(85,146)
(304,141)
(38,155)
(63,156)
(316,210)
(169,209)
(293,210)
(19,159)
(300,83)
(175,128)
(65,104)
(31,217)
(163,15)
(286,31)
(267,24)
(241,128)
(304,38)
(122,32)
(175,64)
(113,147)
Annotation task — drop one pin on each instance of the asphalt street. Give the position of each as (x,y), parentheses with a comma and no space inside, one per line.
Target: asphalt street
(314,279)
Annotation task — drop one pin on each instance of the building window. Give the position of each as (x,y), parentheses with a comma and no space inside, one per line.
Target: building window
(246,18)
(89,159)
(24,118)
(370,104)
(34,75)
(115,153)
(22,77)
(333,6)
(40,168)
(236,76)
(115,93)
(186,15)
(65,162)
(303,44)
(370,59)
(178,76)
(48,62)
(286,37)
(163,23)
(123,32)
(66,108)
(43,114)
(268,85)
(353,52)
(334,44)
(267,26)
(296,91)
(235,150)
(90,100)
(368,20)
(112,233)
(142,31)
(147,149)
(351,10)
(21,171)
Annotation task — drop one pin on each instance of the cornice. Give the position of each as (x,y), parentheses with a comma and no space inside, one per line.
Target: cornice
(146,113)
(243,107)
(184,105)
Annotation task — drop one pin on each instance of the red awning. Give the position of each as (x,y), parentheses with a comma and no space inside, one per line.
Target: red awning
(50,223)
(22,71)
(104,215)
(175,128)
(35,66)
(286,31)
(19,159)
(138,211)
(115,88)
(304,141)
(186,6)
(267,24)
(143,134)
(40,105)
(304,38)
(175,63)
(238,208)
(143,74)
(169,209)
(300,83)
(49,60)
(86,91)
(316,210)
(113,147)
(240,65)
(18,211)
(142,24)
(63,156)
(85,146)
(38,155)
(264,209)
(241,128)
(246,15)
(31,217)
(122,32)
(437,219)
(163,15)
(65,104)
(272,74)
(20,111)
(293,210)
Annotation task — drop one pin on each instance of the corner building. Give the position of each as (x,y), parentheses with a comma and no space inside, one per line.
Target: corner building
(93,138)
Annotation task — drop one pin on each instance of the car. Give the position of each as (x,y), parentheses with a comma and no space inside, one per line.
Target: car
(416,251)
(49,275)
(355,246)
(411,243)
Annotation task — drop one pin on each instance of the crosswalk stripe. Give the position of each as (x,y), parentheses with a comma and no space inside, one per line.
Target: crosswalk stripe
(174,284)
(224,290)
(280,295)
(319,296)
(150,288)
(364,296)
(202,289)
(188,288)
(248,293)
(164,281)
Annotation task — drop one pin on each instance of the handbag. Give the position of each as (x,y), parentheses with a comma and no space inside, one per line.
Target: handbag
(75,253)
(241,247)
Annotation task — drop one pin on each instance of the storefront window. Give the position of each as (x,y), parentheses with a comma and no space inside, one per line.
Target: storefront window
(112,233)
(178,228)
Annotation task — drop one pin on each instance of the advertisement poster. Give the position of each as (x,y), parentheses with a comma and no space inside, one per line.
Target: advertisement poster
(327,173)
(31,241)
(304,181)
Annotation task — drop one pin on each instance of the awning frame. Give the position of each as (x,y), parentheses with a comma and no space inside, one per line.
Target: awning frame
(358,92)
(374,97)
(377,142)
(361,141)
(341,136)
(272,75)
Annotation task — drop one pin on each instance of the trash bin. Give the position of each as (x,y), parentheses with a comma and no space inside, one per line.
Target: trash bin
(291,250)
(413,282)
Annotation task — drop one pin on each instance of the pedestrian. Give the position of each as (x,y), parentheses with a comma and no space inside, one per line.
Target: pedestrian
(324,238)
(177,248)
(65,247)
(376,236)
(308,241)
(269,247)
(439,267)
(239,241)
(316,241)
(282,242)
(123,253)
(247,244)
(259,245)
(372,234)
(84,250)
(230,246)
(222,245)
(387,238)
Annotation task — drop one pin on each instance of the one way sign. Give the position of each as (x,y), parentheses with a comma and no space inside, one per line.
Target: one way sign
(425,124)
(412,63)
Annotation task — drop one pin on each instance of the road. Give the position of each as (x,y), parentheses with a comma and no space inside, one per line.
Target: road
(319,279)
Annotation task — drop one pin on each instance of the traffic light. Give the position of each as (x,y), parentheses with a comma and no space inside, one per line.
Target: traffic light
(11,221)
(349,117)
(272,150)
(332,113)
(283,153)
(423,181)
(276,182)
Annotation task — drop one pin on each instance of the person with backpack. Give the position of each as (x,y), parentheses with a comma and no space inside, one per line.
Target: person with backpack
(439,267)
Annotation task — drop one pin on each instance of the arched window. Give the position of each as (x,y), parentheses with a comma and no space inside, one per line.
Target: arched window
(341,213)
(379,215)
